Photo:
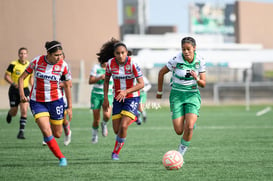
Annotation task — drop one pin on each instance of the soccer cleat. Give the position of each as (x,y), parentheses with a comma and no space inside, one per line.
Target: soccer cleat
(95,137)
(21,135)
(8,118)
(115,156)
(104,129)
(67,138)
(144,119)
(44,143)
(63,162)
(144,116)
(182,149)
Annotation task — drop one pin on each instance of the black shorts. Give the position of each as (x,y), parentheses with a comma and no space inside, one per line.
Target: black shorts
(14,96)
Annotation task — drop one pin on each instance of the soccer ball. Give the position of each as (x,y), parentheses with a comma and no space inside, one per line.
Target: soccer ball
(172,160)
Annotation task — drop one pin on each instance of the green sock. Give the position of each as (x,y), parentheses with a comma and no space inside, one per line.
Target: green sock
(95,127)
(185,143)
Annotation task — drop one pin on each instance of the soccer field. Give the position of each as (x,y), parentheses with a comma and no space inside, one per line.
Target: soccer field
(229,143)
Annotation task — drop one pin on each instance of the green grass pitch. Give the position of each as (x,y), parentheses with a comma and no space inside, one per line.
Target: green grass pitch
(229,143)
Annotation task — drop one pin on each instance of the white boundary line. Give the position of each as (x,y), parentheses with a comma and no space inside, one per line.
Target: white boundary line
(264,111)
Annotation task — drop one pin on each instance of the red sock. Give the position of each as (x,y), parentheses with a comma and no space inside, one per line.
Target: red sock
(54,147)
(118,147)
(119,144)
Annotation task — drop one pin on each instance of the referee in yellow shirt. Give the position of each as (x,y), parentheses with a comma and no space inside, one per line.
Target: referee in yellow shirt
(13,72)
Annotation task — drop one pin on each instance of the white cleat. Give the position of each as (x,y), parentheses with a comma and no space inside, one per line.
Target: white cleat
(67,138)
(104,129)
(95,139)
(44,143)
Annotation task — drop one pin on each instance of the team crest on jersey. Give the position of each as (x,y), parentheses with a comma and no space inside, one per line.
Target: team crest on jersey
(17,72)
(127,69)
(197,65)
(56,68)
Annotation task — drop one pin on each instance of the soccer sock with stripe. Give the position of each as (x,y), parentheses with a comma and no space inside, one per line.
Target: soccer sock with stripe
(119,144)
(23,122)
(53,146)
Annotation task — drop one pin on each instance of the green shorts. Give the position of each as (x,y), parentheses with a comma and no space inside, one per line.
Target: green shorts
(97,100)
(182,103)
(143,97)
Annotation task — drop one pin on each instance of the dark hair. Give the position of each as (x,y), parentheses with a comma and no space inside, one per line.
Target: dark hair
(188,40)
(53,46)
(22,48)
(107,50)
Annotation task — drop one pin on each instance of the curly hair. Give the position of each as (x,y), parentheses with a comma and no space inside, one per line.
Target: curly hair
(107,50)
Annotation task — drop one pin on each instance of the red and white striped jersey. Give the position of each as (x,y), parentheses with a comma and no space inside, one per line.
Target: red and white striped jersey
(47,78)
(124,76)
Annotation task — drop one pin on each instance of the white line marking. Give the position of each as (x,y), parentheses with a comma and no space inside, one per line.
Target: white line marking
(264,111)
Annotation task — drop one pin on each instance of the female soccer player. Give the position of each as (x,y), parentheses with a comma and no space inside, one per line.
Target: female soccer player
(128,81)
(96,77)
(15,69)
(188,73)
(46,99)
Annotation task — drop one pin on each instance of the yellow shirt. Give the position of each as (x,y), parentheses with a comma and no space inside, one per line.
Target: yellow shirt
(15,70)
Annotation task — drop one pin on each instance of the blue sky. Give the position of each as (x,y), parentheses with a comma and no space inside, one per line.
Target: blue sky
(175,12)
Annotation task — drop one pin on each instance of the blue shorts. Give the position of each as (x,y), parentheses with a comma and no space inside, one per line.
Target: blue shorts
(128,108)
(54,110)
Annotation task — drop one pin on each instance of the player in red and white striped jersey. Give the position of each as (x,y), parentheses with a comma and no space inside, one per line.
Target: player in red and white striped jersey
(124,75)
(128,81)
(46,98)
(47,79)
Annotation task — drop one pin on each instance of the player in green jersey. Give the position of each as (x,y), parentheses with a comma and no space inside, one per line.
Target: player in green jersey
(96,78)
(188,73)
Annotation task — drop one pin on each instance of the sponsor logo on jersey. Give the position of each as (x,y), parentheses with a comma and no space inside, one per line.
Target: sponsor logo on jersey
(47,77)
(115,70)
(123,76)
(41,68)
(197,65)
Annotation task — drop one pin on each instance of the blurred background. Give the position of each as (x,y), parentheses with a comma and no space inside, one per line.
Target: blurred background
(235,38)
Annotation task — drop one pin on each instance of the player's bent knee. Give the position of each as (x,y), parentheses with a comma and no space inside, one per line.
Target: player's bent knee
(179,132)
(57,134)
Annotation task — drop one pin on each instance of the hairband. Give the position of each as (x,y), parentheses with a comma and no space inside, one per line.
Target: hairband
(54,46)
(119,44)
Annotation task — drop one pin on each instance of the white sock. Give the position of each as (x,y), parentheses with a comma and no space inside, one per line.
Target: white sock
(182,149)
(94,132)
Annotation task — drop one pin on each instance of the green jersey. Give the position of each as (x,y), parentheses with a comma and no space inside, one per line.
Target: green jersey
(97,71)
(181,78)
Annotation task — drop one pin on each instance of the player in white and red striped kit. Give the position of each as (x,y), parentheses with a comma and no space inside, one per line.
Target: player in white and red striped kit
(46,98)
(128,80)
